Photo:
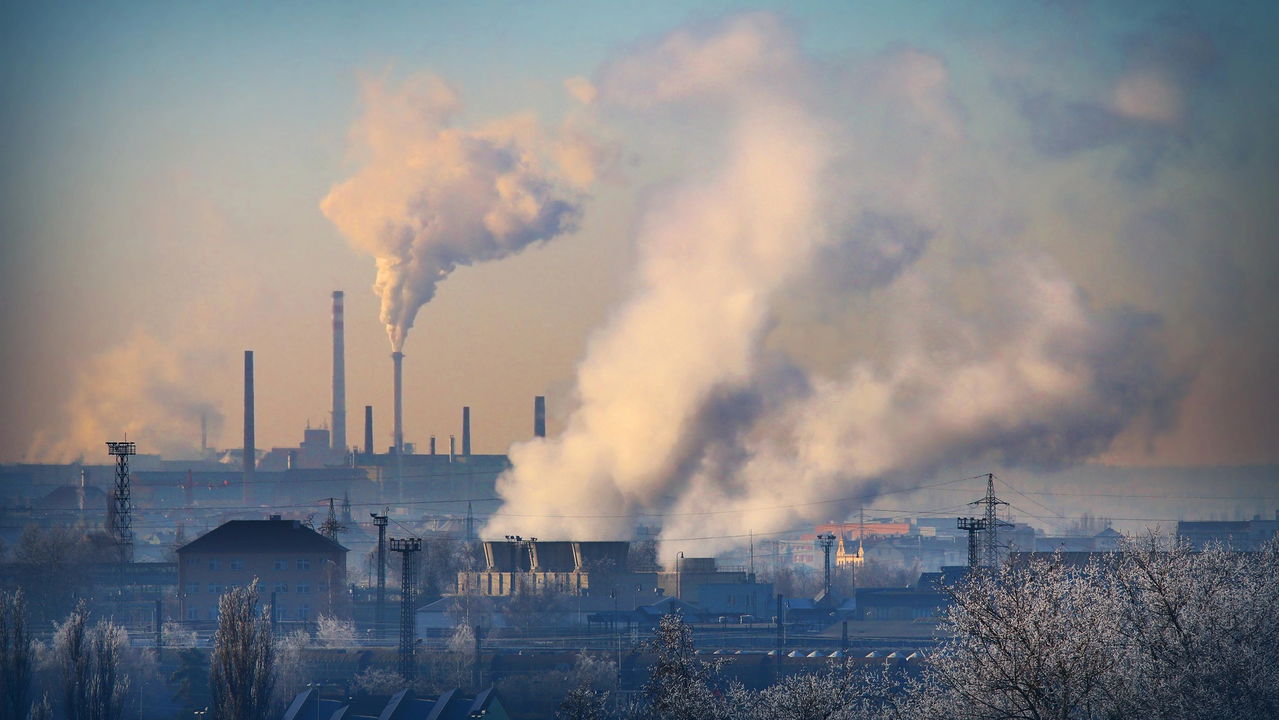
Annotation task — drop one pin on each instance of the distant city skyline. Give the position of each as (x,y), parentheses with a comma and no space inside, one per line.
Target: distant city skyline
(166,168)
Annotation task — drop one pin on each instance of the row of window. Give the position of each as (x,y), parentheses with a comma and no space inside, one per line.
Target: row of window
(238,563)
(303,613)
(300,588)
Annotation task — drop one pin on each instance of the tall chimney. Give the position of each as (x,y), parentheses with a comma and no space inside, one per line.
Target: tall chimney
(338,432)
(250,449)
(398,433)
(452,447)
(368,430)
(432,444)
(466,431)
(204,433)
(539,416)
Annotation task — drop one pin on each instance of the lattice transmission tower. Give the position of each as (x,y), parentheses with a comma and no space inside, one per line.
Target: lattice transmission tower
(121,519)
(983,532)
(408,634)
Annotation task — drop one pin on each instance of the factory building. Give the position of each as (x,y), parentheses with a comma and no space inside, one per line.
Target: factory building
(304,571)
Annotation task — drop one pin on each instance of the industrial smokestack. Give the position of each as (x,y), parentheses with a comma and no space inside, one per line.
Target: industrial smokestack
(368,430)
(452,447)
(539,416)
(338,434)
(432,444)
(204,433)
(250,449)
(397,437)
(466,431)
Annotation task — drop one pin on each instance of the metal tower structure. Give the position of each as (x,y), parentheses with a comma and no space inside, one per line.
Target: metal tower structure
(380,620)
(827,541)
(985,528)
(408,636)
(122,504)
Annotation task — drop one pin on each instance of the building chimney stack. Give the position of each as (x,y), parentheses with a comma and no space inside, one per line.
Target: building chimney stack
(250,449)
(466,431)
(368,431)
(539,416)
(452,447)
(338,431)
(432,444)
(398,418)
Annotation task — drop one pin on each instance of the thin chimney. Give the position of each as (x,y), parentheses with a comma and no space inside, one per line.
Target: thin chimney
(338,430)
(466,431)
(432,444)
(539,416)
(250,449)
(397,437)
(368,430)
(452,447)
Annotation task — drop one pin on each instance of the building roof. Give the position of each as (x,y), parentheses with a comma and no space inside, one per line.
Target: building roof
(261,536)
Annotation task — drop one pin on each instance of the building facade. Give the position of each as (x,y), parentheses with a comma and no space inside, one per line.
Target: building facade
(300,572)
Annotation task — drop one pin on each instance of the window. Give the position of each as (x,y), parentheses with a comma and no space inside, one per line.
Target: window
(237,564)
(213,613)
(304,611)
(281,587)
(193,587)
(193,613)
(282,613)
(215,588)
(281,564)
(193,561)
(322,588)
(304,563)
(303,588)
(215,563)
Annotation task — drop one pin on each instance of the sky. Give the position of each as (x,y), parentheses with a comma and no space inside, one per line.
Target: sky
(840,242)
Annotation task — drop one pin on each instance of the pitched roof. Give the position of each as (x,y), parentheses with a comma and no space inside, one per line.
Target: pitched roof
(261,536)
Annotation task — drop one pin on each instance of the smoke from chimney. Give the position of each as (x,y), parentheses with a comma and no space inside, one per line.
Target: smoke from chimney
(539,416)
(432,197)
(338,431)
(466,431)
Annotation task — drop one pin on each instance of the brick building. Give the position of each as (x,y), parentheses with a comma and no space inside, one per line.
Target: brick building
(305,570)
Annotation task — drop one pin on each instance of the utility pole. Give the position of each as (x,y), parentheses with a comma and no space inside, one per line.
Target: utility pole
(408,629)
(122,505)
(827,541)
(379,620)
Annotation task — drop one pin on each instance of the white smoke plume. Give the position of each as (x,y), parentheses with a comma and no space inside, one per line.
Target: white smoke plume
(688,417)
(430,196)
(145,389)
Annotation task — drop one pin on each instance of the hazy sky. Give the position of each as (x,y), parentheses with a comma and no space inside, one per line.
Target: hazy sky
(165,166)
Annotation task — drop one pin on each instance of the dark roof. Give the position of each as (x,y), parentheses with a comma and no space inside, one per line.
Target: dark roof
(261,536)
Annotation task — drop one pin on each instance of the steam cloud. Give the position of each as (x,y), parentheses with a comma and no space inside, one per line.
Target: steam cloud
(683,406)
(431,197)
(146,389)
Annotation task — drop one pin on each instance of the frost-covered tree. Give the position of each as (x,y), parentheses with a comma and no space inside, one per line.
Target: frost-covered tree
(334,633)
(1200,631)
(1158,630)
(682,686)
(93,686)
(241,671)
(15,657)
(583,702)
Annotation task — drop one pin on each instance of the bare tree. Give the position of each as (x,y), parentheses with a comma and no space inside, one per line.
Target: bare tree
(334,633)
(15,657)
(241,672)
